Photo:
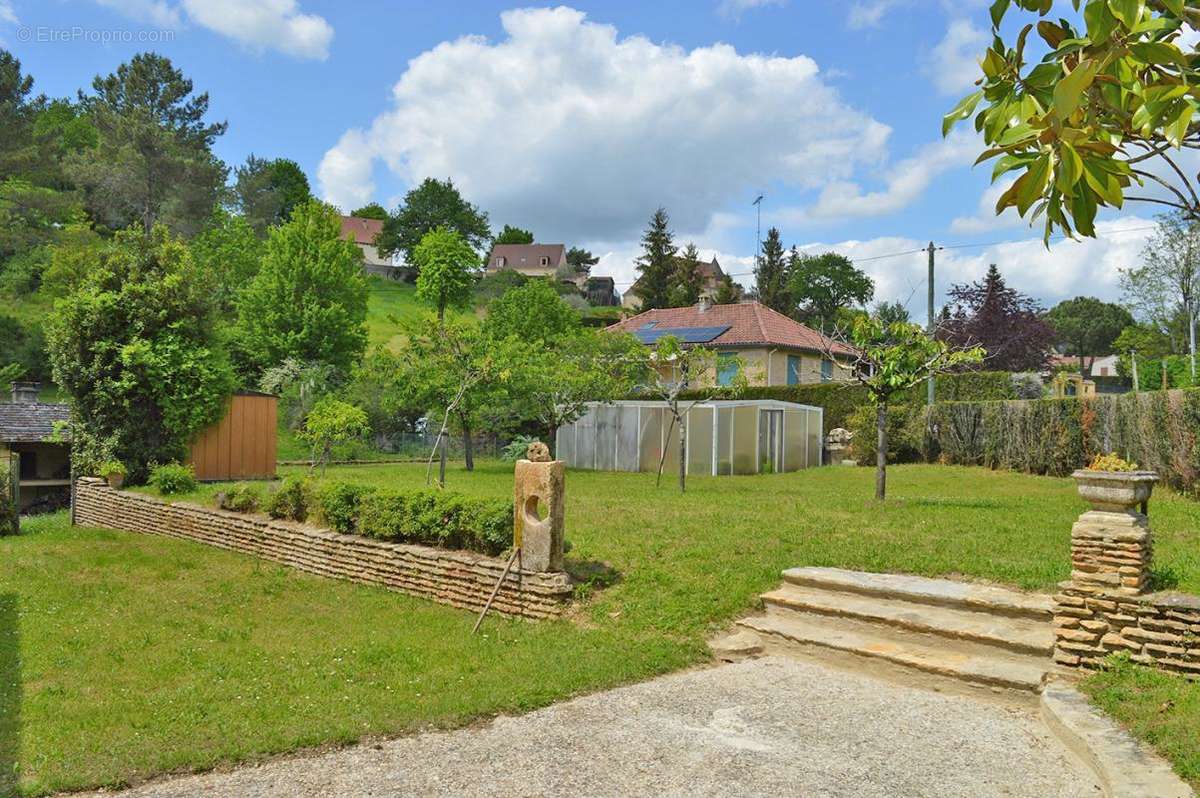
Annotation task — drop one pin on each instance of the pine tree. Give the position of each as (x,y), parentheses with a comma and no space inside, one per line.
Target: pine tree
(770,275)
(687,283)
(657,263)
(728,292)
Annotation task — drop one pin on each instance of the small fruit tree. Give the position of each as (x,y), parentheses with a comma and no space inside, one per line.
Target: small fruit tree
(890,359)
(330,422)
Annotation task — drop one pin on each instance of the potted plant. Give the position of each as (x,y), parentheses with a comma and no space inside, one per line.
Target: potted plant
(1112,484)
(113,471)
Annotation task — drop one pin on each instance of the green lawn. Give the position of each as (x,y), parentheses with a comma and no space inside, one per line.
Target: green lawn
(389,305)
(132,655)
(1161,708)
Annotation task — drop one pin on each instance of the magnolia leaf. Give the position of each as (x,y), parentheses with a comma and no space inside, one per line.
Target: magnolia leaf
(997,11)
(1051,33)
(1068,94)
(1070,169)
(961,111)
(1128,11)
(1033,183)
(1100,21)
(1083,211)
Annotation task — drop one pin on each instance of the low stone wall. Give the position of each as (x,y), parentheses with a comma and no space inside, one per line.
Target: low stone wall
(1160,629)
(459,578)
(1103,608)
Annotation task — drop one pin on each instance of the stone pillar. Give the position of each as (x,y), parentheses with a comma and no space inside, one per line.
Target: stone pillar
(538,510)
(1111,551)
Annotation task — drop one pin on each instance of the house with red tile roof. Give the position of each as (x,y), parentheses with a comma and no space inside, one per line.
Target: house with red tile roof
(771,348)
(364,232)
(711,276)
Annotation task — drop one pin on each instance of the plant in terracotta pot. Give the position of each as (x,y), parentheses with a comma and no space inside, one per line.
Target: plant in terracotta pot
(1115,485)
(113,471)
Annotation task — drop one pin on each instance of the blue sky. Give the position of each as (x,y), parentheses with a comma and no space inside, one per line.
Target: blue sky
(577,121)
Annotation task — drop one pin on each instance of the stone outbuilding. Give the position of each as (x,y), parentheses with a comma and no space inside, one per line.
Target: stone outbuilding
(27,430)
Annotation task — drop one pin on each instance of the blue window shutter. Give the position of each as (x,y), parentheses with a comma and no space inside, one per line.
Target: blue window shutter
(826,370)
(794,364)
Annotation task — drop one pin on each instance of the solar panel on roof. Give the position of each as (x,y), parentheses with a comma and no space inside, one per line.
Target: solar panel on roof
(687,335)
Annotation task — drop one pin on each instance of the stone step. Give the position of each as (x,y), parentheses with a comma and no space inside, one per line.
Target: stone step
(1021,635)
(974,665)
(921,590)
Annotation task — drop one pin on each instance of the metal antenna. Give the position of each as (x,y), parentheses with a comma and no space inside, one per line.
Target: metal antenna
(757,230)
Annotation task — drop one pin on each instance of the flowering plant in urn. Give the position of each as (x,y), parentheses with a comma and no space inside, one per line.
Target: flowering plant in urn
(1112,484)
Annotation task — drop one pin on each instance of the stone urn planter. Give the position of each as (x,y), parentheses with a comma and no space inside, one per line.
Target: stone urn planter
(1115,491)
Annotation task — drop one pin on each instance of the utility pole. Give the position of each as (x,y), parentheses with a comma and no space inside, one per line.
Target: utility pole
(929,287)
(1133,360)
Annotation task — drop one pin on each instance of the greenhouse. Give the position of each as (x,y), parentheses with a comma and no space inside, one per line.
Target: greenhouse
(723,437)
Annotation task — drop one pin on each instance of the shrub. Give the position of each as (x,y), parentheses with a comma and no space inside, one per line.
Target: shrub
(338,504)
(172,478)
(111,467)
(437,518)
(905,431)
(8,508)
(291,500)
(1111,462)
(243,497)
(517,448)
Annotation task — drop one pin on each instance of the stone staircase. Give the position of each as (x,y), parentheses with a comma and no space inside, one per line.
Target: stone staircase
(976,634)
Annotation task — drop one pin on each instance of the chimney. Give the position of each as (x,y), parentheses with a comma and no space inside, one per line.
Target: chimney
(25,393)
(704,304)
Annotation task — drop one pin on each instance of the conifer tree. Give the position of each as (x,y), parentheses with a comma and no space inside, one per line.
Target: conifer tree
(657,263)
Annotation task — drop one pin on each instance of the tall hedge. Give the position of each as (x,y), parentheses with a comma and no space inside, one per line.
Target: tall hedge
(840,400)
(1157,429)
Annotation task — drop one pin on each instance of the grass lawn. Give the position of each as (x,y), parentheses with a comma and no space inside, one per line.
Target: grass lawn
(132,655)
(1161,708)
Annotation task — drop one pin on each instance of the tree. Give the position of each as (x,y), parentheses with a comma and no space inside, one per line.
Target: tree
(1087,327)
(227,253)
(153,160)
(891,312)
(888,359)
(1165,289)
(674,369)
(534,313)
(770,275)
(728,292)
(1007,324)
(372,210)
(1139,347)
(137,354)
(1096,115)
(446,264)
(330,422)
(581,260)
(308,300)
(434,203)
(656,264)
(688,282)
(267,191)
(514,235)
(820,285)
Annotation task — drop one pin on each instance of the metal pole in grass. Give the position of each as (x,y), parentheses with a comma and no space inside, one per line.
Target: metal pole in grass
(515,556)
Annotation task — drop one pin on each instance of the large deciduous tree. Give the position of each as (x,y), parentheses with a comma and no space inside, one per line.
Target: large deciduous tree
(514,235)
(227,253)
(135,350)
(267,191)
(435,203)
(153,160)
(533,312)
(770,275)
(1087,327)
(1111,105)
(821,285)
(447,265)
(656,264)
(1165,289)
(372,210)
(581,260)
(1008,325)
(308,300)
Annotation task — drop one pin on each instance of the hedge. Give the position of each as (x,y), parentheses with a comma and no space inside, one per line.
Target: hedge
(9,512)
(840,400)
(1156,429)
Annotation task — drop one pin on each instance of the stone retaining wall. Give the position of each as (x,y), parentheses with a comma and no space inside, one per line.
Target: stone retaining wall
(459,578)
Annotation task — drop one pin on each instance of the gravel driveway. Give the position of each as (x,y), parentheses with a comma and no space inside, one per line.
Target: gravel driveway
(762,728)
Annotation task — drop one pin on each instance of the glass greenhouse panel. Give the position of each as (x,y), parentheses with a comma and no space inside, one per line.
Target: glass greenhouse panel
(700,441)
(795,440)
(724,440)
(585,440)
(650,438)
(564,444)
(627,438)
(671,463)
(745,439)
(606,437)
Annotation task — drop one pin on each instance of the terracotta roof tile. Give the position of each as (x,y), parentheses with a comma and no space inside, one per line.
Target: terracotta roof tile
(359,230)
(749,323)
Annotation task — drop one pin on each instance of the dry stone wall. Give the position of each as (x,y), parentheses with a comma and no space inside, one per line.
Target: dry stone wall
(461,579)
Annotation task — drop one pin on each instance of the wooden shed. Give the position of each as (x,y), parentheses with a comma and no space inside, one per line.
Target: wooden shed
(242,444)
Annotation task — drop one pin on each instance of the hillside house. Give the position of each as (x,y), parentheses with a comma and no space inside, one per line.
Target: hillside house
(531,260)
(364,232)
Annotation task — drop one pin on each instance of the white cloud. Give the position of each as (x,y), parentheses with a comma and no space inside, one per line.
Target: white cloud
(953,63)
(565,127)
(735,8)
(906,181)
(869,13)
(257,24)
(1089,267)
(6,13)
(985,218)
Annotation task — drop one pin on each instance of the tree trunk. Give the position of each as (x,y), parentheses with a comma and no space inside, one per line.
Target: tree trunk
(1192,337)
(468,448)
(881,451)
(682,455)
(662,459)
(442,461)
(1085,368)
